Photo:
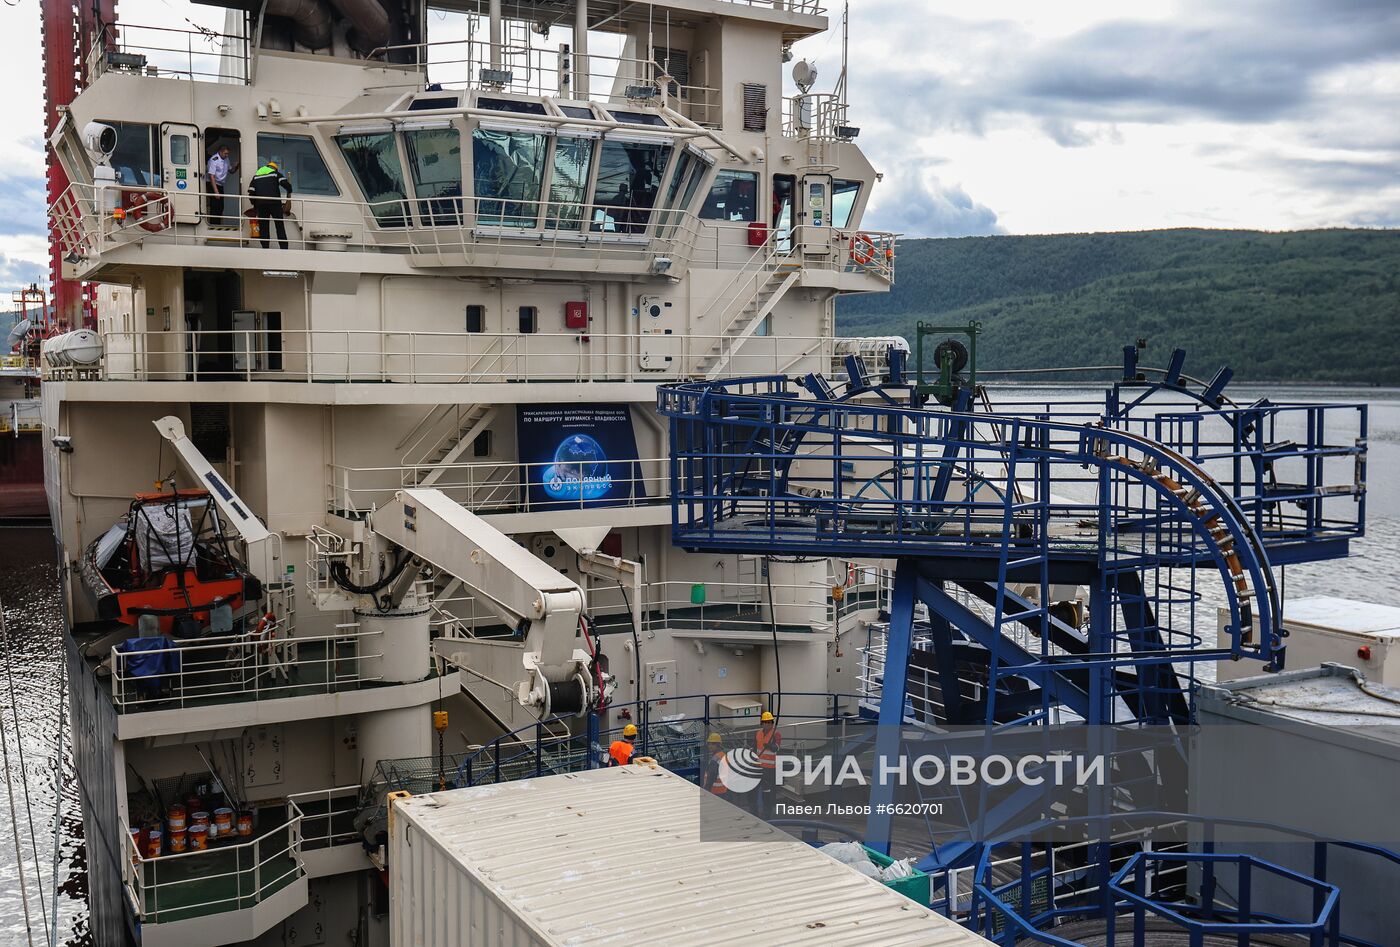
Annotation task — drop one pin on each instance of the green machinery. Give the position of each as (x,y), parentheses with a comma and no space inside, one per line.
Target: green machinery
(951,358)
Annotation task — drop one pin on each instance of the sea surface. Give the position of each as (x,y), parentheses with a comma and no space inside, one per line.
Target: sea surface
(31,708)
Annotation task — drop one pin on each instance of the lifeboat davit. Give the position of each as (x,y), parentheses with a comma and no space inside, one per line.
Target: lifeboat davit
(168,557)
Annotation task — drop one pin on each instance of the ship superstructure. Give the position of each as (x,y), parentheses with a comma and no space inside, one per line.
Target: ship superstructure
(480,399)
(496,248)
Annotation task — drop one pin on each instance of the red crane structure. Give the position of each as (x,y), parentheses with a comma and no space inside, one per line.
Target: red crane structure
(71,31)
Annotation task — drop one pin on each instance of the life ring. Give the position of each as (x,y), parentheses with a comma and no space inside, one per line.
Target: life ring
(154,215)
(862,249)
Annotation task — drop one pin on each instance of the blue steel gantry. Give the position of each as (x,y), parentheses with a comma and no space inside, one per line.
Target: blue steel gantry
(1008,509)
(1072,558)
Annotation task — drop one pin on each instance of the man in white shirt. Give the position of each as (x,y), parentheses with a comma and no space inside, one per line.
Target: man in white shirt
(219,170)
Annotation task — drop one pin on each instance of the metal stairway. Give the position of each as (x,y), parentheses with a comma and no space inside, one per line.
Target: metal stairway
(752,295)
(439,439)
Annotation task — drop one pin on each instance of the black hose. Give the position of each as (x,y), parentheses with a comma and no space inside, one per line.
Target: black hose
(636,644)
(773,624)
(340,574)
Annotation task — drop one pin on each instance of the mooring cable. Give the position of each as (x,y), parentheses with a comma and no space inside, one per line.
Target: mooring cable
(14,822)
(24,774)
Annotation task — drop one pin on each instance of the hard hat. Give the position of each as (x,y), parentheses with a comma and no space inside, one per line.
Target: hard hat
(271,163)
(766,718)
(714,738)
(630,730)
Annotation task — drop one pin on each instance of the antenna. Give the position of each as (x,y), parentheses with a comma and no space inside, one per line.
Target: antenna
(845,45)
(805,75)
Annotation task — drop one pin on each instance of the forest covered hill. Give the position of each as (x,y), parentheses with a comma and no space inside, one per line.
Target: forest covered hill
(1320,305)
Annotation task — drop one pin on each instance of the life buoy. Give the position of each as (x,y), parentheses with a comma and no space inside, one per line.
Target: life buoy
(862,249)
(154,211)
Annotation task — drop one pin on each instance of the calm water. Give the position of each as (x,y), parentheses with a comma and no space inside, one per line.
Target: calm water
(32,660)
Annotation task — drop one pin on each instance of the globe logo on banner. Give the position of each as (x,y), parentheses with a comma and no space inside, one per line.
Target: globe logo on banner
(579,471)
(576,454)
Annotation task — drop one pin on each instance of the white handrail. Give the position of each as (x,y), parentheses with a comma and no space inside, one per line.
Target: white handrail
(371,355)
(257,666)
(137,866)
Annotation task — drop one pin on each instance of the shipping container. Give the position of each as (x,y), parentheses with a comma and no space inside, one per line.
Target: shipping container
(630,855)
(1317,750)
(1362,635)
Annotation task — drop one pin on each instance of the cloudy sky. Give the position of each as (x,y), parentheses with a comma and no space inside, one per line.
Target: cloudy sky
(1021,116)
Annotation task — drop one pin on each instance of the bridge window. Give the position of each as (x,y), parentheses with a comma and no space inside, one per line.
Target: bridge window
(373,158)
(733,196)
(843,202)
(508,170)
(511,105)
(435,102)
(629,180)
(136,156)
(435,160)
(638,118)
(568,182)
(298,158)
(690,169)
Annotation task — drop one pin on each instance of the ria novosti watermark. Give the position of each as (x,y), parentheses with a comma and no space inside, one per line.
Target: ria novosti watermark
(1052,769)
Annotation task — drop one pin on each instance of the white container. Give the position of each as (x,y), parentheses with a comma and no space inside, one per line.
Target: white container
(615,856)
(1361,635)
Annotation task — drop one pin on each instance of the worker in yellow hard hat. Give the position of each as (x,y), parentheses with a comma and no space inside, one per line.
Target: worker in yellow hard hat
(768,740)
(623,748)
(712,779)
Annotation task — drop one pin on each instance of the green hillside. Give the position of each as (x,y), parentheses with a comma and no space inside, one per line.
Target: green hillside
(1321,305)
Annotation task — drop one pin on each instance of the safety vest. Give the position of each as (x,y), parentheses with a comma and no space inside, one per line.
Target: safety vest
(717,787)
(767,747)
(621,752)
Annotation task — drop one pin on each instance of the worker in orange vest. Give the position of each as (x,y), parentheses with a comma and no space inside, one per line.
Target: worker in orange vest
(768,740)
(712,779)
(621,751)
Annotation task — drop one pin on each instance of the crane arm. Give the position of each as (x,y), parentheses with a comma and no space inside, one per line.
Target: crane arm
(520,589)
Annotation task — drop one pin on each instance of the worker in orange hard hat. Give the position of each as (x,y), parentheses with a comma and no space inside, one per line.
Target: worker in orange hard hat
(767,741)
(623,748)
(712,779)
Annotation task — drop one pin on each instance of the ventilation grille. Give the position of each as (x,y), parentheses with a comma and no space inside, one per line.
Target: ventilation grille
(674,63)
(755,107)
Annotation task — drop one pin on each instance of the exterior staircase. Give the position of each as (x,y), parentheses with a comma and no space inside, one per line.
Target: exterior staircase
(439,439)
(751,295)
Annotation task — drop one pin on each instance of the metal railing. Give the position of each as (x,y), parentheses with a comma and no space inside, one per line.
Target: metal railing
(537,71)
(494,487)
(255,666)
(223,878)
(672,730)
(1001,909)
(21,417)
(200,54)
(436,230)
(328,816)
(820,115)
(450,230)
(18,364)
(370,355)
(721,606)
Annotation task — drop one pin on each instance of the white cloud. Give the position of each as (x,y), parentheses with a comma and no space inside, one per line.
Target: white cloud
(1082,116)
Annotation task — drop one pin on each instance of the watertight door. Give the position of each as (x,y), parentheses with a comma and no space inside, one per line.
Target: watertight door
(181,170)
(814,215)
